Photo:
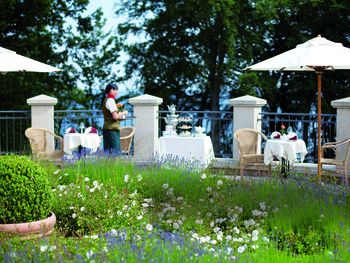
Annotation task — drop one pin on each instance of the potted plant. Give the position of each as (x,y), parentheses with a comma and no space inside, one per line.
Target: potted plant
(25,198)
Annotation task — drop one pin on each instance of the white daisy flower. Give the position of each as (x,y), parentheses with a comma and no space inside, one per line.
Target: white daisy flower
(165,186)
(241,249)
(199,221)
(52,248)
(89,254)
(262,205)
(149,227)
(126,178)
(195,235)
(43,248)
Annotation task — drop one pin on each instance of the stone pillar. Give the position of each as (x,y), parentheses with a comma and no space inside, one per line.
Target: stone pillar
(42,110)
(146,143)
(246,114)
(343,121)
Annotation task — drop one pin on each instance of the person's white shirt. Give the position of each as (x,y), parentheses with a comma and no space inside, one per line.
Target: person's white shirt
(110,105)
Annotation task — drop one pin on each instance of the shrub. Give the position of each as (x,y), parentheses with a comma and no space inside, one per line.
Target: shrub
(25,192)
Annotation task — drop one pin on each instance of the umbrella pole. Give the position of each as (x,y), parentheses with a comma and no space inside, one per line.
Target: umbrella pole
(319,124)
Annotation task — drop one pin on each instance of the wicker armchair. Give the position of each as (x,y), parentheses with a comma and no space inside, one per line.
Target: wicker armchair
(126,136)
(341,164)
(248,150)
(38,139)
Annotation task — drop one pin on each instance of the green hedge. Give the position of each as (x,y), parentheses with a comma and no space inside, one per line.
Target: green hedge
(25,192)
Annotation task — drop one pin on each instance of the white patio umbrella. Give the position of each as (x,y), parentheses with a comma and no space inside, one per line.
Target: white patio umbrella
(11,61)
(317,54)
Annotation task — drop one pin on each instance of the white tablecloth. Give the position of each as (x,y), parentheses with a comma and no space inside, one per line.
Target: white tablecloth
(283,148)
(190,148)
(71,141)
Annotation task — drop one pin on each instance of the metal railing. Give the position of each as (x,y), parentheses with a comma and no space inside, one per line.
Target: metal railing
(12,127)
(217,124)
(305,125)
(14,123)
(72,118)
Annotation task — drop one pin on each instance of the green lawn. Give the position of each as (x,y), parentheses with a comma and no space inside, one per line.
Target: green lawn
(111,210)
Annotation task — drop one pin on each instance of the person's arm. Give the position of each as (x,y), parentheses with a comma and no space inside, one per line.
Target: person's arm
(110,105)
(119,115)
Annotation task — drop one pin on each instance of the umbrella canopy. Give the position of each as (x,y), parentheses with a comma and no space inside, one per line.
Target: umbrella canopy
(317,54)
(11,61)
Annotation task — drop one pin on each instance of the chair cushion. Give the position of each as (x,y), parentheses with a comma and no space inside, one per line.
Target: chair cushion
(253,158)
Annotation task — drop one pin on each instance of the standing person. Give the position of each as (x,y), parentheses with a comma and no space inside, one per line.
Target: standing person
(111,125)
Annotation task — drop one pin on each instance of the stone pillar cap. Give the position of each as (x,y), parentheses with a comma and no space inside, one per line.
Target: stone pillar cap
(146,100)
(341,103)
(43,100)
(247,101)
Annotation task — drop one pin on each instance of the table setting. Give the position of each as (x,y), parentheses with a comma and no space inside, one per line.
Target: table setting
(286,147)
(89,138)
(191,143)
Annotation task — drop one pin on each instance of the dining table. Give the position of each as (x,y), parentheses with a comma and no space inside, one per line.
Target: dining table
(287,151)
(195,149)
(72,141)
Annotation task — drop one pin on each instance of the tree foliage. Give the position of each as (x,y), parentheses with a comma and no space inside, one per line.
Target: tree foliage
(61,34)
(290,23)
(188,52)
(193,53)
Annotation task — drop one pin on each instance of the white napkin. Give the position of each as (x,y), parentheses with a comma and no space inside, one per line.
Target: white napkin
(68,130)
(276,134)
(292,135)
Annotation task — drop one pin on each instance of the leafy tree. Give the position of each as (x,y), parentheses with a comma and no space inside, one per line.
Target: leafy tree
(58,33)
(193,53)
(187,55)
(290,23)
(191,50)
(94,55)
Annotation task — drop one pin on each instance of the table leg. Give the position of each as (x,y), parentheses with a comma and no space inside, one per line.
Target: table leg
(285,167)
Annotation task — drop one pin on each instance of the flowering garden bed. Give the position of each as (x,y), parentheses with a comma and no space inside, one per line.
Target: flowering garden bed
(111,210)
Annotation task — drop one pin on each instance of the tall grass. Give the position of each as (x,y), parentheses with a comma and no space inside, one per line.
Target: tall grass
(169,212)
